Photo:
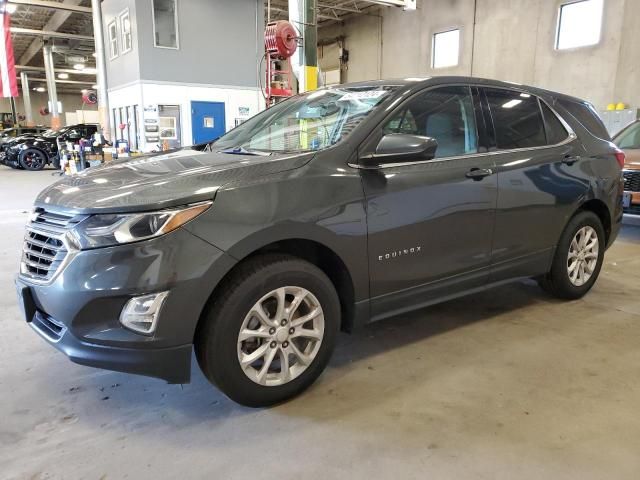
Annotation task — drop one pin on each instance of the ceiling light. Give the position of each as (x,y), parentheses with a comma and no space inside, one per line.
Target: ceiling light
(84,90)
(63,76)
(95,87)
(79,66)
(39,89)
(94,55)
(10,8)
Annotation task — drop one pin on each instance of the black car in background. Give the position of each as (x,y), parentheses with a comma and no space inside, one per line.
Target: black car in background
(13,132)
(327,211)
(35,152)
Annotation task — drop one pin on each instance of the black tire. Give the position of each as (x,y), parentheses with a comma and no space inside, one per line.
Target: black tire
(33,159)
(216,340)
(557,281)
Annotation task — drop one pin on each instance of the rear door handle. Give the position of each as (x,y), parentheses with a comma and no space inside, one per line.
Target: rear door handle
(570,159)
(479,173)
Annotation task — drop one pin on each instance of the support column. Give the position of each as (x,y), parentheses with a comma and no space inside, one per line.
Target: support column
(101,67)
(56,122)
(26,99)
(303,15)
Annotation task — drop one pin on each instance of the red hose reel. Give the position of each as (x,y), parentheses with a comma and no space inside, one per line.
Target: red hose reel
(280,39)
(281,42)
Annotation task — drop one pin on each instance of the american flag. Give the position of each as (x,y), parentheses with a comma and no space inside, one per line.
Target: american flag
(8,81)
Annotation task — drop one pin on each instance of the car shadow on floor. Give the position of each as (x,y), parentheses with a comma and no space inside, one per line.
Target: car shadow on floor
(145,403)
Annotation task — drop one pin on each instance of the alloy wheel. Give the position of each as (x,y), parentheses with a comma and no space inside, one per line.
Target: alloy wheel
(583,256)
(33,160)
(280,336)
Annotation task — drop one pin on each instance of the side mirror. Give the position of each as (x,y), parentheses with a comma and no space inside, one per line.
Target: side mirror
(401,147)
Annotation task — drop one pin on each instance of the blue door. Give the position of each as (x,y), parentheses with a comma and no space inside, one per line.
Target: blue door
(207,121)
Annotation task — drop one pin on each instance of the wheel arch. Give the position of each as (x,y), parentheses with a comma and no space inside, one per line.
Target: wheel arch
(312,251)
(600,208)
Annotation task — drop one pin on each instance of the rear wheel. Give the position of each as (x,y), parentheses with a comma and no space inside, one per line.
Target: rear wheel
(578,257)
(33,159)
(270,331)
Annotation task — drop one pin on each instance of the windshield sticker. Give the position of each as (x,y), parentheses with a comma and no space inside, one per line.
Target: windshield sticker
(363,95)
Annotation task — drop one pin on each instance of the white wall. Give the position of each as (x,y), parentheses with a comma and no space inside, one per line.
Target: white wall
(147,93)
(514,41)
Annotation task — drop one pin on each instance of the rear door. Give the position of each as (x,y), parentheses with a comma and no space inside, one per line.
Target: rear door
(430,222)
(538,164)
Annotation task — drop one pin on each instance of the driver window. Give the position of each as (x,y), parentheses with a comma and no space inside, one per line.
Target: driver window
(445,114)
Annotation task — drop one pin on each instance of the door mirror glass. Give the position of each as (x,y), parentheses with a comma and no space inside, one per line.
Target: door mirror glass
(402,147)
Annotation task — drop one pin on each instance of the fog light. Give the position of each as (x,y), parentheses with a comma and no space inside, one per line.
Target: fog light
(141,313)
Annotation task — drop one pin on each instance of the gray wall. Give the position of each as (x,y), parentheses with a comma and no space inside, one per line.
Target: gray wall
(126,67)
(221,42)
(514,41)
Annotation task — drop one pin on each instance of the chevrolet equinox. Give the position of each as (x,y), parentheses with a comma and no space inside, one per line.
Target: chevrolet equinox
(327,211)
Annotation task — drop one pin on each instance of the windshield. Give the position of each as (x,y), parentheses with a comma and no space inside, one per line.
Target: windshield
(310,122)
(54,133)
(629,138)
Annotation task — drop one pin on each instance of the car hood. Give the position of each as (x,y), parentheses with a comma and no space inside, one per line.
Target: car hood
(632,159)
(160,181)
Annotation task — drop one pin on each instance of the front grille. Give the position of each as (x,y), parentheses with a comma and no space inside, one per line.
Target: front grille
(48,327)
(44,249)
(633,209)
(631,180)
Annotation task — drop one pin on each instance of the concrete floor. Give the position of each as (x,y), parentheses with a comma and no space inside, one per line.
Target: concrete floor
(508,384)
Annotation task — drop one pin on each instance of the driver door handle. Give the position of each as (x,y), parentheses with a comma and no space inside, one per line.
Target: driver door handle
(479,173)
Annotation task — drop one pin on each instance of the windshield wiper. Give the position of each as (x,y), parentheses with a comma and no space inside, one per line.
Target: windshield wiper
(243,151)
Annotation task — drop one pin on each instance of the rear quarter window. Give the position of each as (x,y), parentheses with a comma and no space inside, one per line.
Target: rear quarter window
(584,113)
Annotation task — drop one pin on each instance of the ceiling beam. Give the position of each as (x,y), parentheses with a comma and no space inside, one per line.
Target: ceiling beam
(86,71)
(48,33)
(66,6)
(54,23)
(72,82)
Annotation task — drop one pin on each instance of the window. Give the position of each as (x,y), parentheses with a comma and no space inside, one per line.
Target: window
(446,49)
(165,23)
(113,39)
(556,133)
(125,31)
(586,114)
(629,138)
(517,119)
(579,24)
(445,114)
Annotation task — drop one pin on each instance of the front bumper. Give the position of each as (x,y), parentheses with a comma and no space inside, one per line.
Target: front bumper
(634,207)
(78,313)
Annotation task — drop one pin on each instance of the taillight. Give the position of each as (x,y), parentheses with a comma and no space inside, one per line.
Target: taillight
(620,157)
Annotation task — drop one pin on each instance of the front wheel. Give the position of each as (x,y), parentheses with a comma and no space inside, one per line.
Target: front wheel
(33,159)
(578,257)
(270,330)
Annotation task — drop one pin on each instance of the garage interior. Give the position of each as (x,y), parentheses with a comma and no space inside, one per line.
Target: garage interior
(501,384)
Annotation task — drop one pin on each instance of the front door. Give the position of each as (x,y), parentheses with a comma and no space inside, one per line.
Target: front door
(207,121)
(430,222)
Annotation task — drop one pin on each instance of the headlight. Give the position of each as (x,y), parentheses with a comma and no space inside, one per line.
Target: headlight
(116,229)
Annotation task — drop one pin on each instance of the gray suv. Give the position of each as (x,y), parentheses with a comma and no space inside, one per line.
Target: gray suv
(330,210)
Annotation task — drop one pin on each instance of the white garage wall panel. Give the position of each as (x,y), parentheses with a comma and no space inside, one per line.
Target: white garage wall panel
(148,93)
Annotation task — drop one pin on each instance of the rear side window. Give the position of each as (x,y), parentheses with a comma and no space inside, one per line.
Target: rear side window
(517,119)
(587,116)
(556,133)
(444,113)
